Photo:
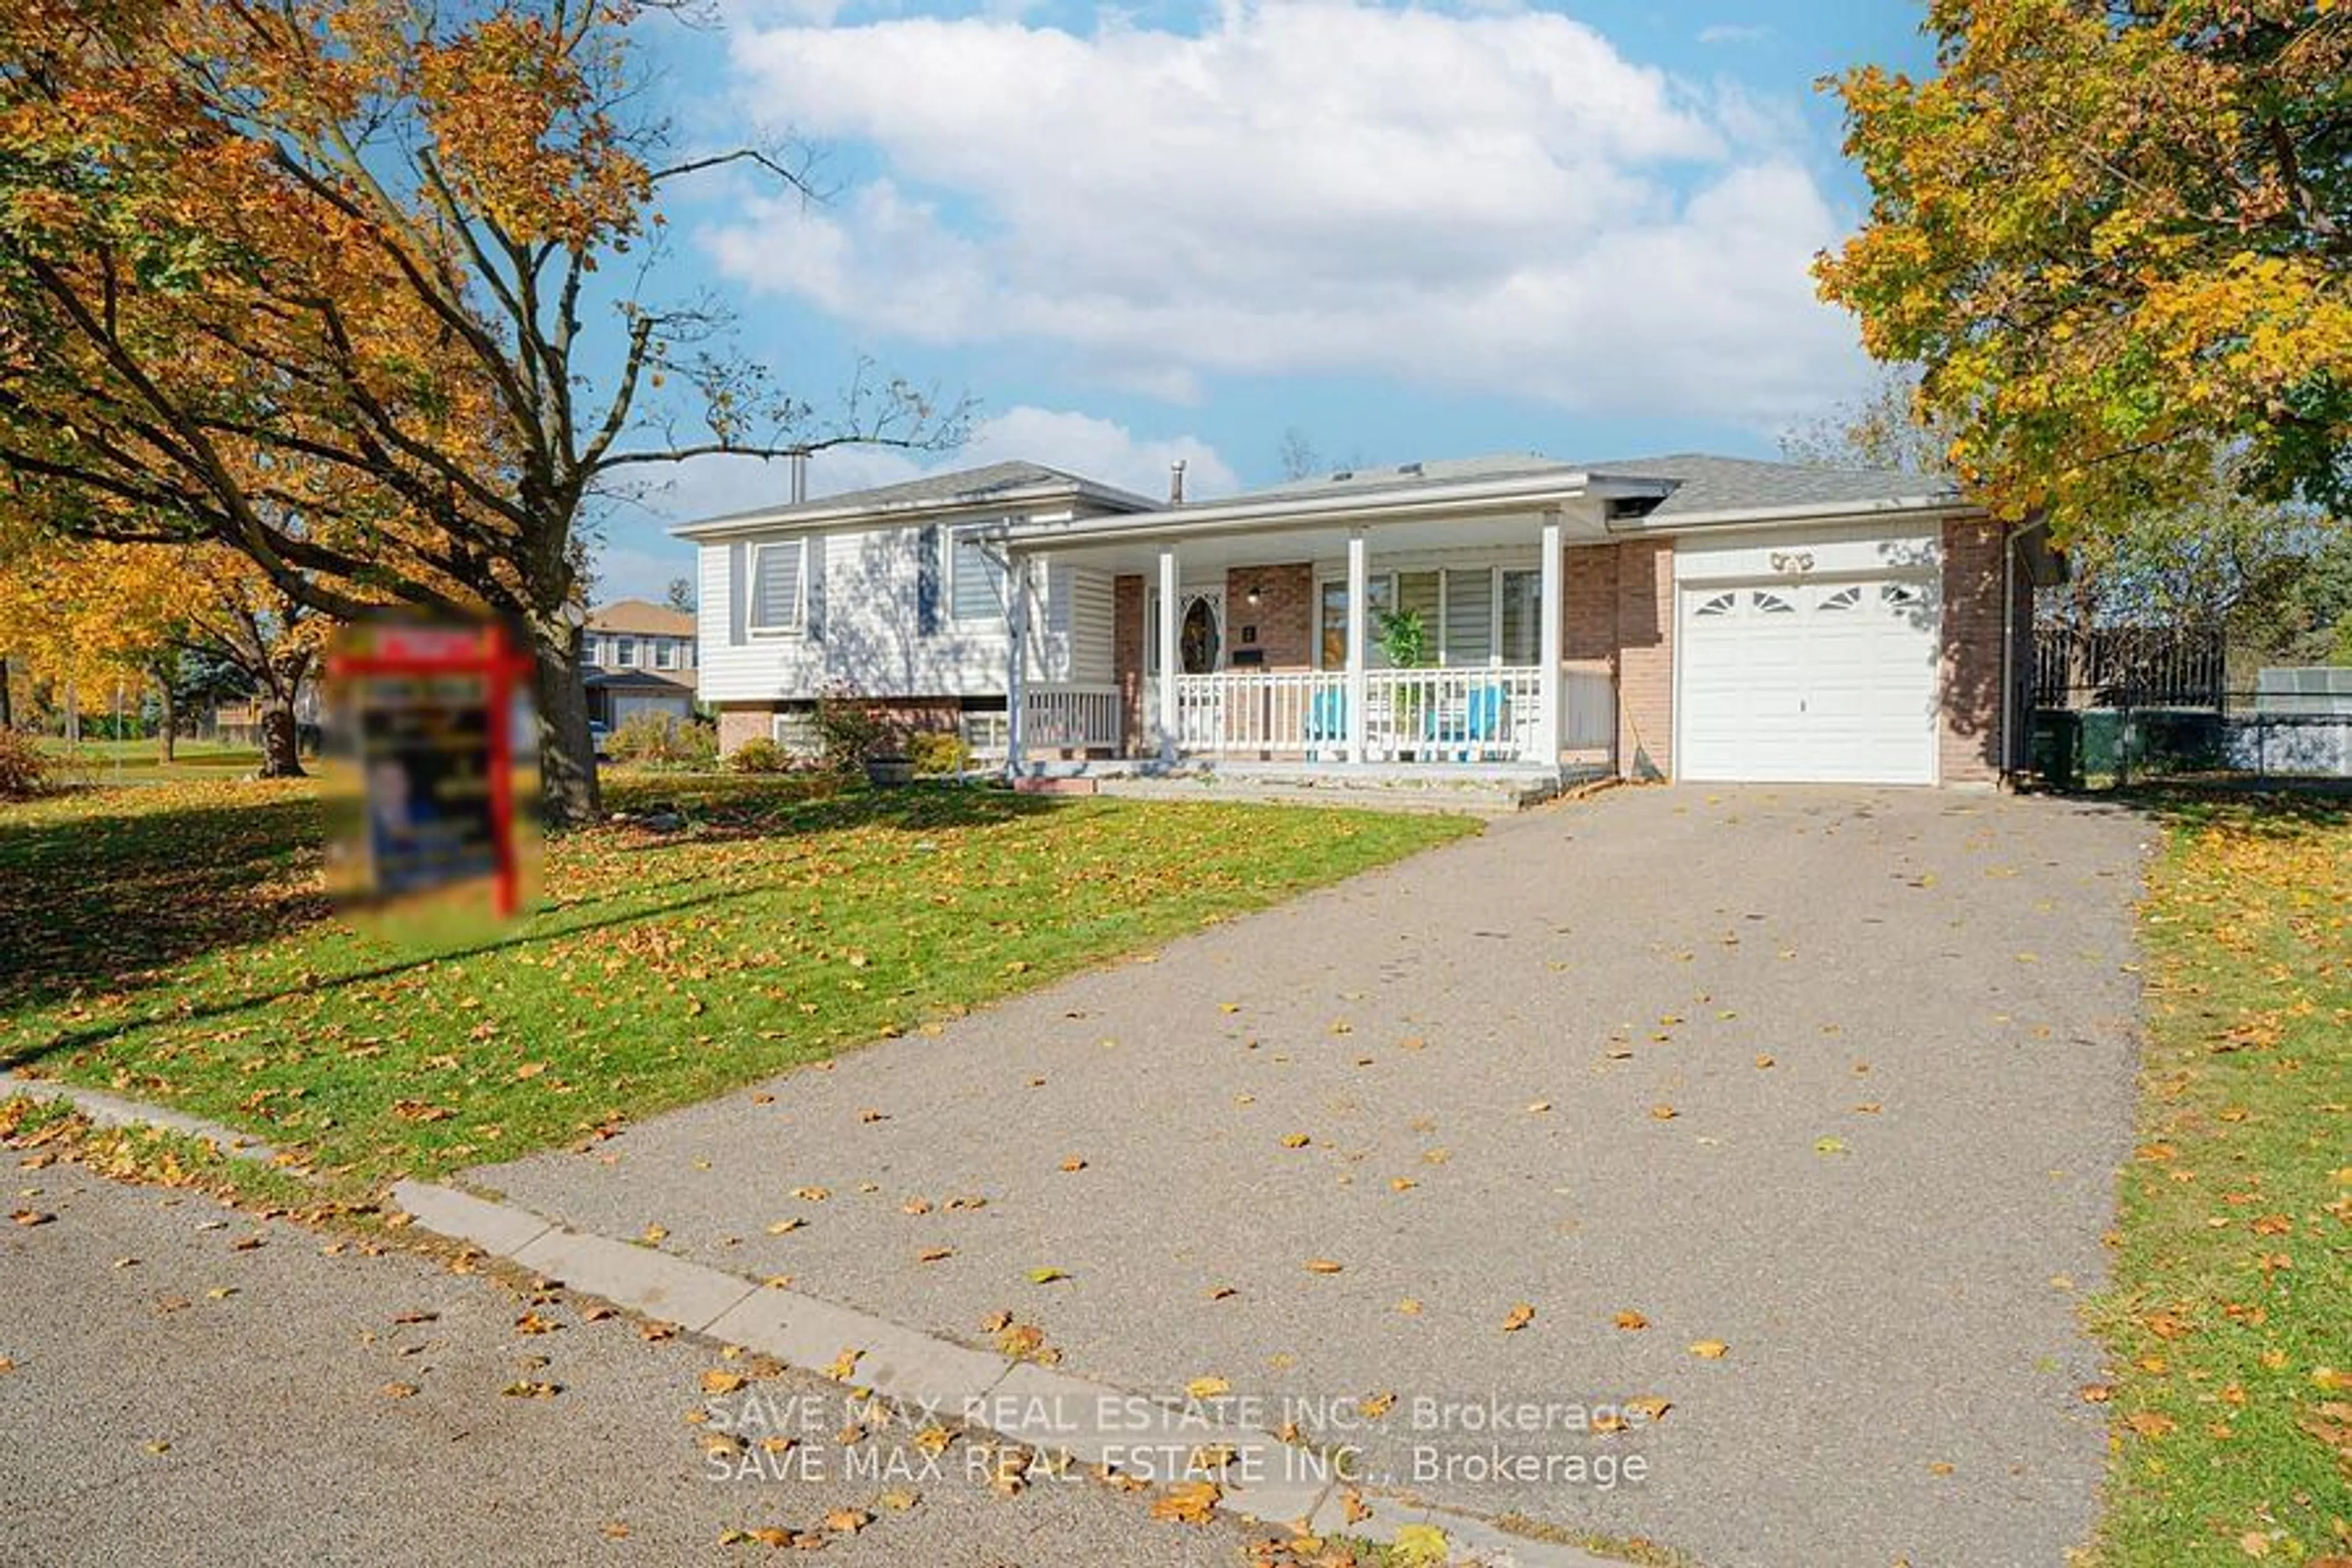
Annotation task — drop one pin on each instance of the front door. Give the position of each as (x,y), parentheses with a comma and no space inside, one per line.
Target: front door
(1201,635)
(1200,632)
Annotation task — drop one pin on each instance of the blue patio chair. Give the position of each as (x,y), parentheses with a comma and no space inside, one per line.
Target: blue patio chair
(1488,717)
(1482,720)
(1327,715)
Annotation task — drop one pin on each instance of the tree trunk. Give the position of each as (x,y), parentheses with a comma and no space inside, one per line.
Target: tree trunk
(281,752)
(567,756)
(73,713)
(171,717)
(7,698)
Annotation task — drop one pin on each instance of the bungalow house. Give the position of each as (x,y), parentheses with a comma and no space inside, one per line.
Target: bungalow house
(639,658)
(1687,616)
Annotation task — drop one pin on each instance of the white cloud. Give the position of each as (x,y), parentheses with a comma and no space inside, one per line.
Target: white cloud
(1734,33)
(638,558)
(1498,202)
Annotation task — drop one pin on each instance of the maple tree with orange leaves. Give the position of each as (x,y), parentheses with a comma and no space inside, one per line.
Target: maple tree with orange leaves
(327,283)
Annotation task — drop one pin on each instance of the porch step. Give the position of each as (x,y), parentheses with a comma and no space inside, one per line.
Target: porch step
(1054,786)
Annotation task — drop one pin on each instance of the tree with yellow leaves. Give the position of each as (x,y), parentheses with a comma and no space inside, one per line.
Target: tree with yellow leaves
(89,619)
(2115,236)
(327,283)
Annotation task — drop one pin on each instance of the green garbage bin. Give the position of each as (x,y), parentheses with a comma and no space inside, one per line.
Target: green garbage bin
(2058,747)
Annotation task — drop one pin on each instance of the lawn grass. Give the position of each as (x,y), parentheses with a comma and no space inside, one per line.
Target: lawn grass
(140,762)
(2231,1318)
(175,946)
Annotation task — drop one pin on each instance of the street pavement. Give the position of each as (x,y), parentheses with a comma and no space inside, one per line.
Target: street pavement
(181,1383)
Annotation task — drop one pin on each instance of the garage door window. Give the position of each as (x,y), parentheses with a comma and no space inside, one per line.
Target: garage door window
(1837,604)
(1773,604)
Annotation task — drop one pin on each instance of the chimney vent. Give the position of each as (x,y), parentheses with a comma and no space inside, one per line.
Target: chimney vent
(1176,482)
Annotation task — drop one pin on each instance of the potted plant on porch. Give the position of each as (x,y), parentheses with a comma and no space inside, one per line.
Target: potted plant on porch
(1404,639)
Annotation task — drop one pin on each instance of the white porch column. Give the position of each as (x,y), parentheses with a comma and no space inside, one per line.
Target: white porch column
(1547,677)
(1017,683)
(1169,611)
(1358,616)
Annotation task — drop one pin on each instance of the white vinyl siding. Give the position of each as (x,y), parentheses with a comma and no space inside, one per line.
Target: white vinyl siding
(778,585)
(1093,614)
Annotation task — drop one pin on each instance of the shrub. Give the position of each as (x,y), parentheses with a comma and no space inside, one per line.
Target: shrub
(758,755)
(24,771)
(850,728)
(661,740)
(937,752)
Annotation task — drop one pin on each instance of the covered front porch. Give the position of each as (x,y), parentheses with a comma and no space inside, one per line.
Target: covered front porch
(1372,626)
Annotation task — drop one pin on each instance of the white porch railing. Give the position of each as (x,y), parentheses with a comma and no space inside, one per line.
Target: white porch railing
(1459,715)
(1073,719)
(1246,713)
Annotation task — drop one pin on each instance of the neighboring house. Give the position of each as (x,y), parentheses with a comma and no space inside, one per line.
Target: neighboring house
(640,657)
(1688,617)
(238,723)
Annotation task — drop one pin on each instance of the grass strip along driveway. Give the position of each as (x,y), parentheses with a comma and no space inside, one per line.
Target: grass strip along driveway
(2232,1305)
(172,943)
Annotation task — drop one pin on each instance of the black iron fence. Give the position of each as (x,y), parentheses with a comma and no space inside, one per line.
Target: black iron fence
(2105,667)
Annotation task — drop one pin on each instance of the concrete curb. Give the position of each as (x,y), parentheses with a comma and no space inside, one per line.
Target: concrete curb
(112,1110)
(1011,1400)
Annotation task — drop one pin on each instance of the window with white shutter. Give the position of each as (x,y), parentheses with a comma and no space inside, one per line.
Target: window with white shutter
(1469,617)
(778,585)
(976,585)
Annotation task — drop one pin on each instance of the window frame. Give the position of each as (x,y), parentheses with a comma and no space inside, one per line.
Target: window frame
(1496,571)
(950,541)
(798,622)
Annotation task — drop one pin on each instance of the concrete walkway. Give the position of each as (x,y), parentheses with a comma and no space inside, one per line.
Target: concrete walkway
(1835,1080)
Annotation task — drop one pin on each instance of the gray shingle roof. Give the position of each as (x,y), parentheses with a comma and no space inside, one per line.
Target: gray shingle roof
(963,486)
(1703,483)
(1707,484)
(1406,476)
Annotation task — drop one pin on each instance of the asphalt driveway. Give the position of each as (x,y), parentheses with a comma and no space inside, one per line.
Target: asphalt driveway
(1834,1079)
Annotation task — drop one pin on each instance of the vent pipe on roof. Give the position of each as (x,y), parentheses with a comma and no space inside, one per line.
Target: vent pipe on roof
(800,477)
(1176,482)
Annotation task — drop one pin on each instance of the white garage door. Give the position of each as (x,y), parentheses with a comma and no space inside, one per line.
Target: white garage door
(1785,681)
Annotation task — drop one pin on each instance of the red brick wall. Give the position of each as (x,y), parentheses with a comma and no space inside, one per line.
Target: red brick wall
(741,721)
(1970,739)
(1284,615)
(1127,653)
(1645,657)
(738,722)
(1588,607)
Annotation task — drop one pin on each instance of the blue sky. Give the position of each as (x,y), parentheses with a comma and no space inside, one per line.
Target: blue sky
(1136,234)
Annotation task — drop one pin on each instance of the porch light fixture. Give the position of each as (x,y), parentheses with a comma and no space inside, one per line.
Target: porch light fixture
(1252,595)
